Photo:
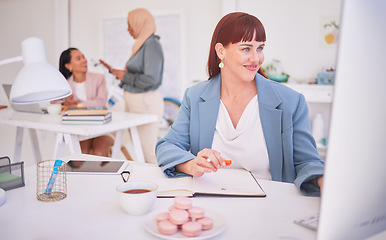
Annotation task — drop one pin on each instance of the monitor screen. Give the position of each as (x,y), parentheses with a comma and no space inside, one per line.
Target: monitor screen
(353,203)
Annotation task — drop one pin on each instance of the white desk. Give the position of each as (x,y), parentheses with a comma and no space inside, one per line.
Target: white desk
(72,134)
(91,211)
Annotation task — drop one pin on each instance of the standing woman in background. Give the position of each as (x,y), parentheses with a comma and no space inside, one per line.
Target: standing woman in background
(88,90)
(143,76)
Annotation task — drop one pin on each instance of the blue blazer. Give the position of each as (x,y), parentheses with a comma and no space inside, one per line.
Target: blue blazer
(292,151)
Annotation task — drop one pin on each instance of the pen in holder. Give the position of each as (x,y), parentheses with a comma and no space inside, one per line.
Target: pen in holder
(51,180)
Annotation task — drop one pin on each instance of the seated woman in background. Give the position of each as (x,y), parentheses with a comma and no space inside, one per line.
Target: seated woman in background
(238,114)
(88,90)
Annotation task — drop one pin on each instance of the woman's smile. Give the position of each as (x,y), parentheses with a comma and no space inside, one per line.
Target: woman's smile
(251,67)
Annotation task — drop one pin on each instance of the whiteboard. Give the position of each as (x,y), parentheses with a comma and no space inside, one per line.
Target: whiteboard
(117,43)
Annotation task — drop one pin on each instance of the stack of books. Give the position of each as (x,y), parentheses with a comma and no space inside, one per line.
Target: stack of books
(87,115)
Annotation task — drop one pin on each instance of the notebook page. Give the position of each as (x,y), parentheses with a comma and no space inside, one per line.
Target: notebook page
(238,182)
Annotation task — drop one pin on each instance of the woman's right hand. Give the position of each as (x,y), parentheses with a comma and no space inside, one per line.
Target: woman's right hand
(106,65)
(207,160)
(118,73)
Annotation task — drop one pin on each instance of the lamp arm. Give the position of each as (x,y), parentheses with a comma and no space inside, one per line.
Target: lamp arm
(11,60)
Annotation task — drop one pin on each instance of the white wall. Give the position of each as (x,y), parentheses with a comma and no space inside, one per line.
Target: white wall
(20,19)
(292,36)
(293,33)
(293,30)
(200,18)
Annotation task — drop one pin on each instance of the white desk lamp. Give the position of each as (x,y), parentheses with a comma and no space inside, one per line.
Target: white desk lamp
(37,81)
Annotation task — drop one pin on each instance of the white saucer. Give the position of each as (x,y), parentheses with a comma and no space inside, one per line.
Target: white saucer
(218,226)
(2,196)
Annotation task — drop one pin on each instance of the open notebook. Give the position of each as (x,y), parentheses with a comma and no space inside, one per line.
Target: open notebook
(226,182)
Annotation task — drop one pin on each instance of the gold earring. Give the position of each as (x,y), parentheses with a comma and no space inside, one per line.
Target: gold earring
(221,64)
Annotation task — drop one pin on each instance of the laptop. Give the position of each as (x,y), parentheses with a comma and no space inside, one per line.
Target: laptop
(353,201)
(30,107)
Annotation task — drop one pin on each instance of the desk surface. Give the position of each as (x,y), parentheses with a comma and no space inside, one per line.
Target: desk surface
(120,120)
(91,211)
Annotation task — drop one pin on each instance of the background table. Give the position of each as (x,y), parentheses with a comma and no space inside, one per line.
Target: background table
(72,134)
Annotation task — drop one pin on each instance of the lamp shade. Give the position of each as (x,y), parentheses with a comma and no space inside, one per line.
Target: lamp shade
(37,81)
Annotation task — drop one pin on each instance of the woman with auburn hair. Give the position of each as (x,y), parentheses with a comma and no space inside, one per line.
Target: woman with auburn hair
(240,115)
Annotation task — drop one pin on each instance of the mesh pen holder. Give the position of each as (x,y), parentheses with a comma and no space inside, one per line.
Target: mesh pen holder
(45,174)
(11,174)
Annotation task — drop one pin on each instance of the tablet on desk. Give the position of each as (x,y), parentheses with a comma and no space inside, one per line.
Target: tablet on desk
(105,166)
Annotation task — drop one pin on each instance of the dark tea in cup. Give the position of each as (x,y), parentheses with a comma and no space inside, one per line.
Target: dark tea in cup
(137,191)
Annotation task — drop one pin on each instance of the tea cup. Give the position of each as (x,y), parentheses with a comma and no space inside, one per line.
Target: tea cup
(54,109)
(137,198)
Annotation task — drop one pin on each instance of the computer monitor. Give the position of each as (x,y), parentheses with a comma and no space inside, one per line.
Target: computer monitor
(353,202)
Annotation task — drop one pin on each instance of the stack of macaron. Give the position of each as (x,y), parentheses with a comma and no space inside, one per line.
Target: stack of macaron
(183,215)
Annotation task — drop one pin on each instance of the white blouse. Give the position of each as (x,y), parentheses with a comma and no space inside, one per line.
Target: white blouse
(245,145)
(80,91)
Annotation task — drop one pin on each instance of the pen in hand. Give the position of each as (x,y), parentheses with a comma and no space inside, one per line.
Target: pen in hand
(228,162)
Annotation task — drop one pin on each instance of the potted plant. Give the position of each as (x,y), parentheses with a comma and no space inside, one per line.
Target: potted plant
(275,71)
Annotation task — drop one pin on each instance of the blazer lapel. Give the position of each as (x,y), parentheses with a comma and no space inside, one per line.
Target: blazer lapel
(89,87)
(208,110)
(270,118)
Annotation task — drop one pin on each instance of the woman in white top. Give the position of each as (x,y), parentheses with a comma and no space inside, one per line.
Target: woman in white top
(238,114)
(88,90)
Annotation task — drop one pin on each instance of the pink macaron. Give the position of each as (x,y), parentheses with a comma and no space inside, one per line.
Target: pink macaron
(182,202)
(171,208)
(196,212)
(178,216)
(162,216)
(191,229)
(206,222)
(166,227)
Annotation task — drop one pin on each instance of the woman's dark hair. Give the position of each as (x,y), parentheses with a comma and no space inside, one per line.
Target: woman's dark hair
(65,58)
(233,28)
